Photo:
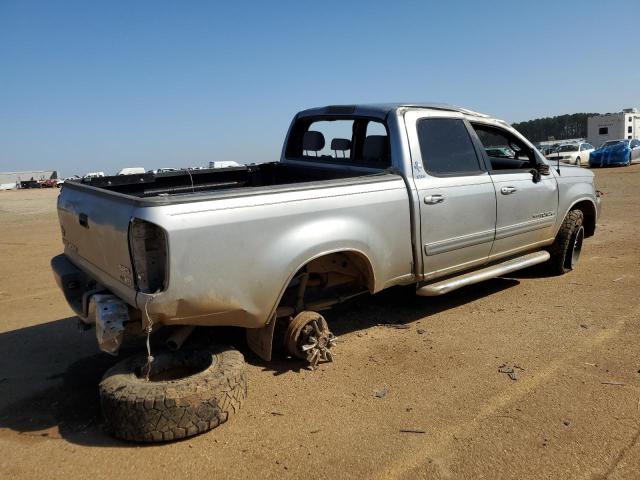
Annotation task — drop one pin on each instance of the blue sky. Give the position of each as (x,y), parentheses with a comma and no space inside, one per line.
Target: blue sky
(88,86)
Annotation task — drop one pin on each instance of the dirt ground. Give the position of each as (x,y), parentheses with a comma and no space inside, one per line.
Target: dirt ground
(573,412)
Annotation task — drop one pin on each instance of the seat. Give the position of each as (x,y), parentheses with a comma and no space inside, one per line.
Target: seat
(340,145)
(375,149)
(312,141)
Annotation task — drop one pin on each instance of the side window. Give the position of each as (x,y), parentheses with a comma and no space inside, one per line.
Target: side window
(635,143)
(587,146)
(505,150)
(446,147)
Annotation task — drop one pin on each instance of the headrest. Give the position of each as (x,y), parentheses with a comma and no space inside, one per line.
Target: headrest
(340,144)
(375,148)
(313,141)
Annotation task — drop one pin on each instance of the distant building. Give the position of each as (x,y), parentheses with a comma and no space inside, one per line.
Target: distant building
(614,126)
(10,179)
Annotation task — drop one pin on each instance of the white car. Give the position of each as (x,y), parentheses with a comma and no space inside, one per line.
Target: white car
(132,171)
(573,153)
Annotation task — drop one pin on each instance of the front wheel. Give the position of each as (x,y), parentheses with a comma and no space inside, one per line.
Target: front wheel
(578,164)
(565,250)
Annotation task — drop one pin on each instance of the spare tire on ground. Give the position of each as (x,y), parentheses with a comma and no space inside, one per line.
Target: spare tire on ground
(188,392)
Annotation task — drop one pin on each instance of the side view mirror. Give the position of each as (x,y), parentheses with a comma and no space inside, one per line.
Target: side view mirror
(536,175)
(543,168)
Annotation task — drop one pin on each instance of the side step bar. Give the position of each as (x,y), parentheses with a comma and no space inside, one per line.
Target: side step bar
(445,286)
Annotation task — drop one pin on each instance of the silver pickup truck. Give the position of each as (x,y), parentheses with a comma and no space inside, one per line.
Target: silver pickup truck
(364,197)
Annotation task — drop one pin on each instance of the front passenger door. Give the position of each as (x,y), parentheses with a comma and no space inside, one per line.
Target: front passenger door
(527,202)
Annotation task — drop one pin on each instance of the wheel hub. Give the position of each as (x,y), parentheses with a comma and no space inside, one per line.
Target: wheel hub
(308,337)
(577,246)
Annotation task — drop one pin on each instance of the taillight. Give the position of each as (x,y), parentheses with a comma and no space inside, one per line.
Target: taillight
(148,244)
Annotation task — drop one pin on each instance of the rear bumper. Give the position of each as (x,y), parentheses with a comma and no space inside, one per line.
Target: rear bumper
(76,285)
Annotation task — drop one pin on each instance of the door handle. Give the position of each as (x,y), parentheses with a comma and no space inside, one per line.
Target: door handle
(433,199)
(508,190)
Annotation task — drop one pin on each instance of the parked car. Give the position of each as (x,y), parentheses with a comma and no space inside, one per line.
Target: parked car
(50,183)
(164,170)
(93,175)
(224,164)
(503,152)
(572,153)
(547,149)
(132,171)
(30,184)
(615,153)
(417,201)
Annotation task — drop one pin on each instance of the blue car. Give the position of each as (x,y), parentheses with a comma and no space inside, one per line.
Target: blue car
(615,153)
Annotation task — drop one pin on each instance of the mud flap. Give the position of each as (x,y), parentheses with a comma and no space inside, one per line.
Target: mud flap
(260,340)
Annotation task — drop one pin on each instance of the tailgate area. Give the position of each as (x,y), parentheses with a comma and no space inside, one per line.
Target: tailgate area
(95,233)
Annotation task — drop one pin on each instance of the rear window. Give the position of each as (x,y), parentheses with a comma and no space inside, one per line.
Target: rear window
(446,147)
(356,141)
(335,138)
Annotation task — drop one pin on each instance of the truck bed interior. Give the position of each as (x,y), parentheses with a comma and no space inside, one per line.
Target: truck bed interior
(210,180)
(364,150)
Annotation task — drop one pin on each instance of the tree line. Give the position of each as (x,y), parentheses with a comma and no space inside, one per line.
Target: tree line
(559,127)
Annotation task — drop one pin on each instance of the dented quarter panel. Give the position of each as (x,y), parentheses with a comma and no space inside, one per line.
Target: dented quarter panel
(230,259)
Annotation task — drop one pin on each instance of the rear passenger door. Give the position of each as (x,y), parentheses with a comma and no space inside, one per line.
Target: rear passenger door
(457,197)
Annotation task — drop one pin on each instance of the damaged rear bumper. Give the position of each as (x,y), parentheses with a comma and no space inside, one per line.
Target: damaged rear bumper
(77,286)
(92,303)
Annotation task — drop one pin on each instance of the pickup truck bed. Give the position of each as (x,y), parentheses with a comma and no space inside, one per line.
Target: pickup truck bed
(186,182)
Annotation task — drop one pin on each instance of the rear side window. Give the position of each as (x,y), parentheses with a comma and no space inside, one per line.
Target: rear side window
(446,147)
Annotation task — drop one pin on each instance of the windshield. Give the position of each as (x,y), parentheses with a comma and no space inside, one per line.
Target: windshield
(568,148)
(611,142)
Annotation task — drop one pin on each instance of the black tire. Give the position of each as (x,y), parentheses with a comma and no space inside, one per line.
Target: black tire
(168,409)
(562,250)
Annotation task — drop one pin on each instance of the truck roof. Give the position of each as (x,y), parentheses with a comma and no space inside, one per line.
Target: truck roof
(381,110)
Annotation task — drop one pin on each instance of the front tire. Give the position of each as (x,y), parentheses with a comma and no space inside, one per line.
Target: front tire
(578,164)
(565,250)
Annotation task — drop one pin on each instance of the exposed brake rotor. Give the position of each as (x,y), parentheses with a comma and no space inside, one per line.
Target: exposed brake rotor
(308,337)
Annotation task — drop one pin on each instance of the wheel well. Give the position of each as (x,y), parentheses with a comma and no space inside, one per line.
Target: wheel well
(588,210)
(327,280)
(347,262)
